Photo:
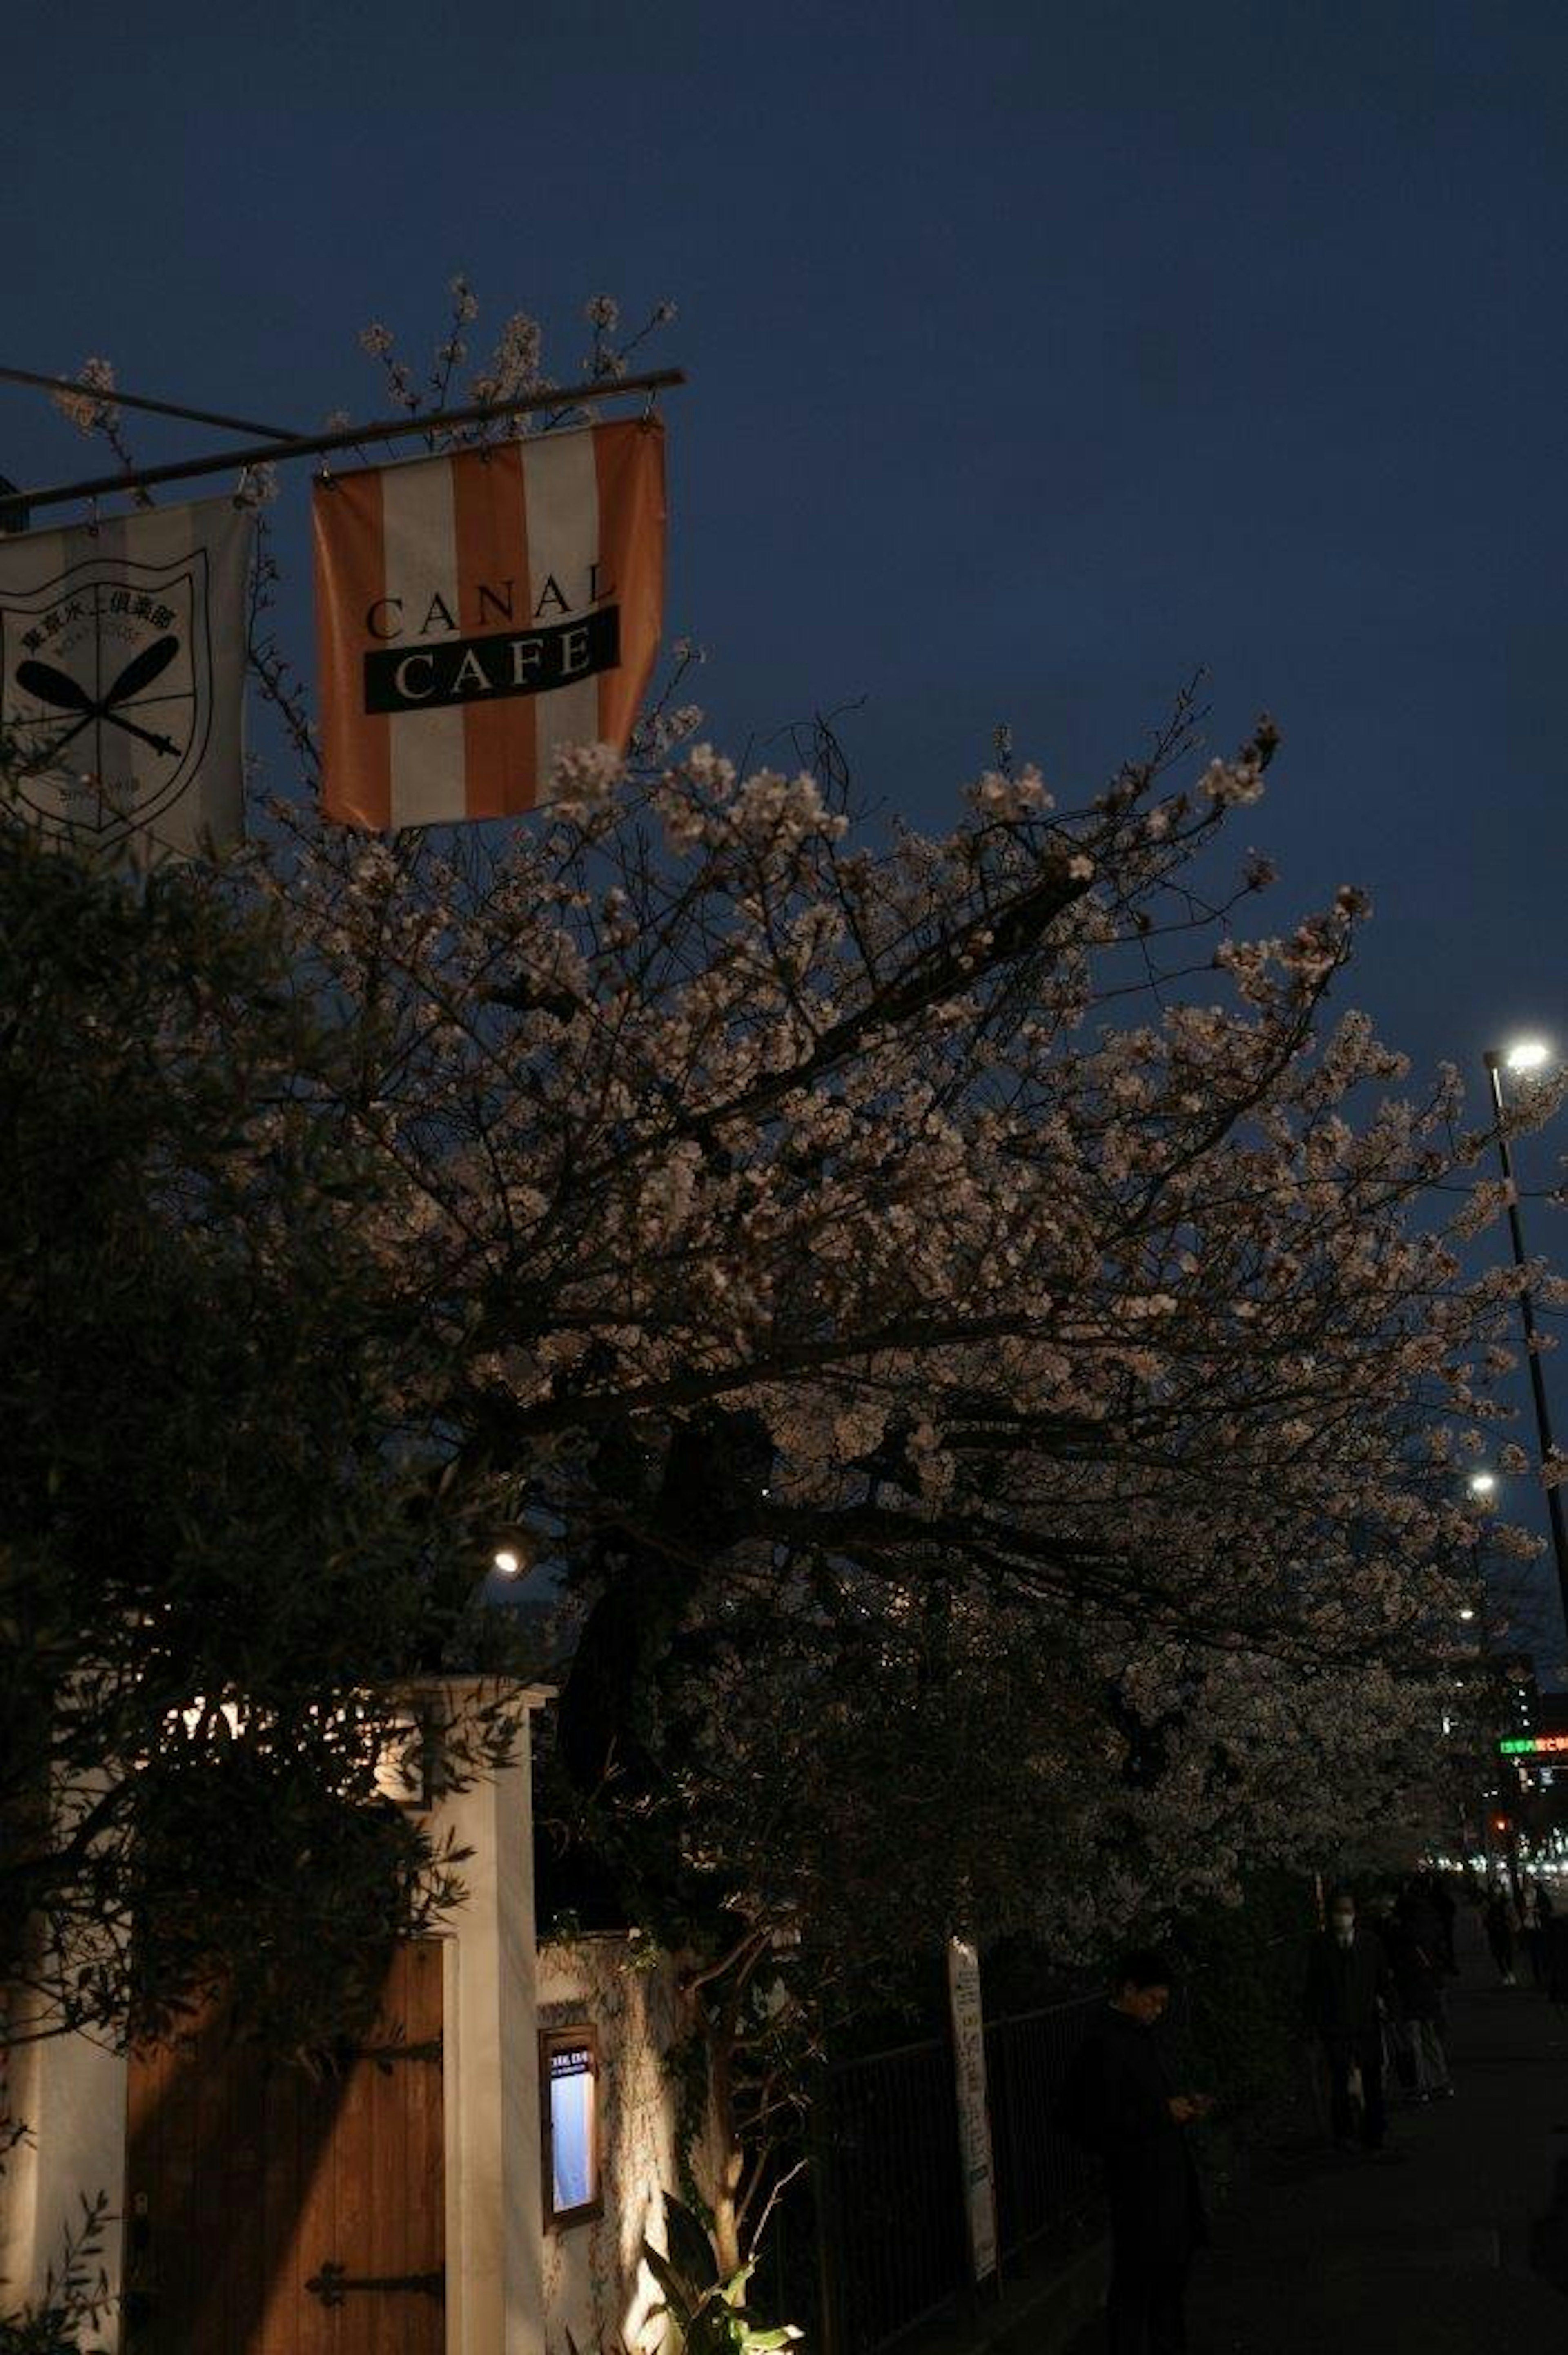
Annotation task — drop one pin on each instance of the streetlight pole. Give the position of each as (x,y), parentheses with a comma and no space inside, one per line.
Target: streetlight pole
(1482,1486)
(1495,1063)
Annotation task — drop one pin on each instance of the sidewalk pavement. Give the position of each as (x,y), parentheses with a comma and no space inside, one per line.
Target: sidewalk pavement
(1455,2244)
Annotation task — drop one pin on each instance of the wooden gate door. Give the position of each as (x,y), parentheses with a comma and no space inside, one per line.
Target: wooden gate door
(273,2212)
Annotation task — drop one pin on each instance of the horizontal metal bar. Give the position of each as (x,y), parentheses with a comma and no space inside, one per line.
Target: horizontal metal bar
(350,437)
(334,2282)
(1046,2012)
(384,2054)
(112,397)
(852,2061)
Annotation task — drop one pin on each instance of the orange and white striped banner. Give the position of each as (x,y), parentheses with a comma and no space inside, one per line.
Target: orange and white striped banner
(477,613)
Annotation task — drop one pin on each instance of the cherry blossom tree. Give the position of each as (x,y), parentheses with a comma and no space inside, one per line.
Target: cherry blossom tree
(983,1342)
(961,1269)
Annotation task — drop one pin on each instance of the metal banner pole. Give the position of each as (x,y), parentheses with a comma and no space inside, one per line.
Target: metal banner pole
(350,437)
(111,397)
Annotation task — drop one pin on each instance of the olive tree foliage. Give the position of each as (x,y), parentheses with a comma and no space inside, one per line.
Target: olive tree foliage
(218,1558)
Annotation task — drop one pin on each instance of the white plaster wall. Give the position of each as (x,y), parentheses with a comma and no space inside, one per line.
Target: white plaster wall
(596,2285)
(71,2091)
(495,2302)
(18,2185)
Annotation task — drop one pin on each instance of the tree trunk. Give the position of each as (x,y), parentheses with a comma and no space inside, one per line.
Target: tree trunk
(729,2159)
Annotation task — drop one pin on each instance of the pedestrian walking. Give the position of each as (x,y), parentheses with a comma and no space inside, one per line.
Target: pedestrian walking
(1443,1903)
(1557,1958)
(1542,1912)
(1348,1994)
(1532,1931)
(1417,1965)
(1118,2102)
(1416,1909)
(1497,1920)
(1400,2043)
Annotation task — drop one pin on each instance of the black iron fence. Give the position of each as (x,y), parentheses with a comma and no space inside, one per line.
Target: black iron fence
(889,2195)
(889,2224)
(1041,2177)
(871,2239)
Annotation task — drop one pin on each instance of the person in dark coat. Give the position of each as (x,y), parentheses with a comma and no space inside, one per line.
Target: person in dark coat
(1441,1898)
(1557,1957)
(1348,1991)
(1535,1910)
(1118,2102)
(1415,1955)
(1401,2036)
(1498,1919)
(1420,1916)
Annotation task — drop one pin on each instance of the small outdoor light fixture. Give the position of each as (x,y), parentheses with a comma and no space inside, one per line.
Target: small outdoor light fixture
(1527,1055)
(1466,1613)
(514,1550)
(1483,1484)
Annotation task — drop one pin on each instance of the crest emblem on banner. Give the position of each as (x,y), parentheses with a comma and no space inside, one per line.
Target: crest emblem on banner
(107,690)
(115,704)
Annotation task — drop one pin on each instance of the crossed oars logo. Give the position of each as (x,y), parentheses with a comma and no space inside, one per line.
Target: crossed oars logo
(54,686)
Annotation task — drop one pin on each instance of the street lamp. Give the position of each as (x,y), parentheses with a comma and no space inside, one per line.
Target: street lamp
(1529,1055)
(1483,1487)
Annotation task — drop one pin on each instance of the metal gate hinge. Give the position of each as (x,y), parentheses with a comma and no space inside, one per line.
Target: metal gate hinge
(334,2282)
(384,2054)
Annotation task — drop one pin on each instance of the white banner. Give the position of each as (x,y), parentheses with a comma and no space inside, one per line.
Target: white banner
(123,650)
(974,2109)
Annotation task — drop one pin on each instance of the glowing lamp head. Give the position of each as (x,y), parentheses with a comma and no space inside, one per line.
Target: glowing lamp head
(1466,1613)
(1527,1055)
(1483,1484)
(514,1550)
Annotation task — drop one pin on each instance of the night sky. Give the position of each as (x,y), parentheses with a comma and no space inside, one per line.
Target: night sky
(1040,354)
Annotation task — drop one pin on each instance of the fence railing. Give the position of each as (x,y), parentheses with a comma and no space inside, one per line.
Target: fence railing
(887,2184)
(1043,2178)
(889,2195)
(872,2240)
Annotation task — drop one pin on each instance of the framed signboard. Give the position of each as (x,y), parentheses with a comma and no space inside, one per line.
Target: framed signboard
(569,2088)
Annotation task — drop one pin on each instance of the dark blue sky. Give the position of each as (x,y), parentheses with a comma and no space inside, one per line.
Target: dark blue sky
(1039,354)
